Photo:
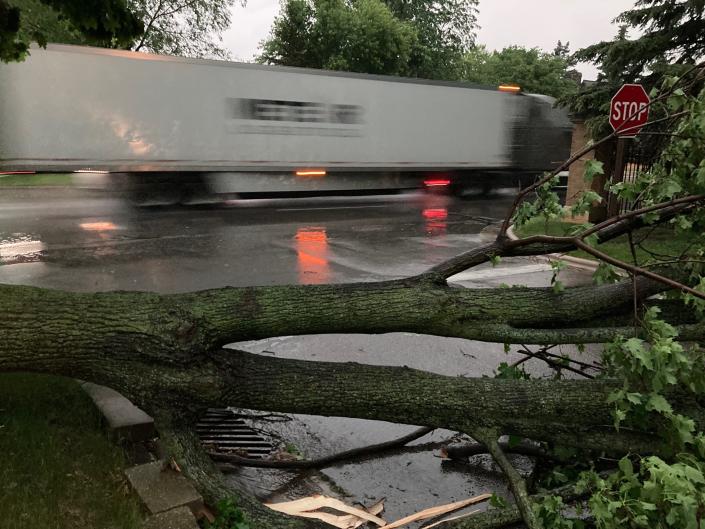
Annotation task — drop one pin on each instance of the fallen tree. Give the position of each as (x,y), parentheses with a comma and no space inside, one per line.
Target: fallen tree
(165,352)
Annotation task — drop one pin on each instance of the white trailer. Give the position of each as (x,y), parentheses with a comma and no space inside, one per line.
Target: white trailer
(69,108)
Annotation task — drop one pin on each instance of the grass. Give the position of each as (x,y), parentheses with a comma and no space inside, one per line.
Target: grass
(58,469)
(661,240)
(30,180)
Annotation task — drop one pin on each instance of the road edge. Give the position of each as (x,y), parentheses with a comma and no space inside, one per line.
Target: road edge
(575,262)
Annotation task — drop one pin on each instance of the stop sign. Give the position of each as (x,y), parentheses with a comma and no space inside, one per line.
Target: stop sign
(629,110)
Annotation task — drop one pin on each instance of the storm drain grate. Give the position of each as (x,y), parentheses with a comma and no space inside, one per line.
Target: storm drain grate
(223,431)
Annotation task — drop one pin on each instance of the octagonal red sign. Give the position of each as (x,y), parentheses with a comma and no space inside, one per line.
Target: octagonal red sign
(629,110)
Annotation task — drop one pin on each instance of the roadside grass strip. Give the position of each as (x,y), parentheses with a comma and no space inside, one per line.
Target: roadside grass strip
(58,469)
(662,240)
(33,180)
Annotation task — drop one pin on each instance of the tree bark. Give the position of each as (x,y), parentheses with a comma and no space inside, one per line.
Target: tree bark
(164,352)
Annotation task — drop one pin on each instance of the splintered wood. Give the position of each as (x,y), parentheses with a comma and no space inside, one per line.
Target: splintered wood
(309,508)
(437,511)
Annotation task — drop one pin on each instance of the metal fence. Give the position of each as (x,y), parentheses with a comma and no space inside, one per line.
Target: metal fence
(639,156)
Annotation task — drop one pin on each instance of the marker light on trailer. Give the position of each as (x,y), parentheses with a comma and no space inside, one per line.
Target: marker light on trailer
(436,182)
(311,172)
(512,88)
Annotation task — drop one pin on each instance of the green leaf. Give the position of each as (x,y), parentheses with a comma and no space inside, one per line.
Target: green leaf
(634,398)
(693,474)
(592,240)
(498,502)
(584,202)
(605,273)
(593,168)
(508,372)
(700,176)
(635,347)
(658,403)
(670,188)
(684,428)
(513,441)
(625,465)
(558,265)
(619,416)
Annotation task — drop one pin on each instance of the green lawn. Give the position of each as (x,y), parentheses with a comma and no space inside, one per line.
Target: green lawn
(22,180)
(661,240)
(58,469)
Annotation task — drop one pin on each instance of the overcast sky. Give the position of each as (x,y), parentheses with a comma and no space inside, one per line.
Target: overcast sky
(530,23)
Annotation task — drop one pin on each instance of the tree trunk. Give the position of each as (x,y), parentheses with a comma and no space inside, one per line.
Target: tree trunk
(164,352)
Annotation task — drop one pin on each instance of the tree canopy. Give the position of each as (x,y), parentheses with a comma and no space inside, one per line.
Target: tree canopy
(188,29)
(169,27)
(532,69)
(412,38)
(445,30)
(109,23)
(336,35)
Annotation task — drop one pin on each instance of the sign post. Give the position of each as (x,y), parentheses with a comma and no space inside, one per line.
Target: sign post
(629,112)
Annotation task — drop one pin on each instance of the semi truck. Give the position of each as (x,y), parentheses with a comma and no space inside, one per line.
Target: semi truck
(176,126)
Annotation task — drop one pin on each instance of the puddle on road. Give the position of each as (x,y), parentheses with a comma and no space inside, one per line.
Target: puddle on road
(409,480)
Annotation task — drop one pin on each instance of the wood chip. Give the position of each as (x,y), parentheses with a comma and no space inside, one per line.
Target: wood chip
(304,507)
(205,512)
(444,520)
(432,512)
(349,521)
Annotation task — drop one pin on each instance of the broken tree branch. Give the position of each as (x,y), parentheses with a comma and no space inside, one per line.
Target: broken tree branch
(638,270)
(556,364)
(538,245)
(691,199)
(321,462)
(464,451)
(516,482)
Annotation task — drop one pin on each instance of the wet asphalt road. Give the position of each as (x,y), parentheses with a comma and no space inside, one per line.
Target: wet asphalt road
(87,240)
(90,241)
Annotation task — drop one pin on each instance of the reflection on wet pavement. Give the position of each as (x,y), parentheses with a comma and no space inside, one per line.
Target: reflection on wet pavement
(312,255)
(435,221)
(116,246)
(100,227)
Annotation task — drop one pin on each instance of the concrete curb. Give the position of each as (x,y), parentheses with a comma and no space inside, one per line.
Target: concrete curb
(169,498)
(575,262)
(162,489)
(124,420)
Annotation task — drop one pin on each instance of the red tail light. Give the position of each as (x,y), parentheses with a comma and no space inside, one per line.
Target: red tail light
(436,182)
